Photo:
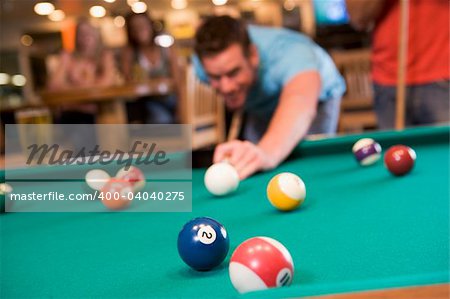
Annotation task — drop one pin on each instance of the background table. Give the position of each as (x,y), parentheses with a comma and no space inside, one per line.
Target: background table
(110,98)
(111,103)
(360,229)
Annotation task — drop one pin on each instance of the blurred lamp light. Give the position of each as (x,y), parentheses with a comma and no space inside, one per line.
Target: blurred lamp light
(119,21)
(18,80)
(158,26)
(164,40)
(139,7)
(97,11)
(44,8)
(131,2)
(57,15)
(26,40)
(4,78)
(289,5)
(110,1)
(179,4)
(219,2)
(255,3)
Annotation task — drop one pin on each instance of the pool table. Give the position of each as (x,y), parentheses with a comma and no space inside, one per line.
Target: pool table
(361,232)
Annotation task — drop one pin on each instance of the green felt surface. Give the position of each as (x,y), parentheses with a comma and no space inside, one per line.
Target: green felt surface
(359,228)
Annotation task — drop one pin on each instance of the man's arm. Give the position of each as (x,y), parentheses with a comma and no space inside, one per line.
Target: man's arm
(364,13)
(295,112)
(290,123)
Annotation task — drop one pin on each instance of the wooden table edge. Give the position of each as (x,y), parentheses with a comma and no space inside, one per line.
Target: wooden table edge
(108,93)
(435,291)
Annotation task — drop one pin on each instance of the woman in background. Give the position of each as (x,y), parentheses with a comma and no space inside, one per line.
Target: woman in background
(88,66)
(144,59)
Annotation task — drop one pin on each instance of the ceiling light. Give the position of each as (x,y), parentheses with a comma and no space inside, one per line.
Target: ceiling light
(44,8)
(57,15)
(219,2)
(26,40)
(164,40)
(179,4)
(97,11)
(18,80)
(119,21)
(139,7)
(4,78)
(289,5)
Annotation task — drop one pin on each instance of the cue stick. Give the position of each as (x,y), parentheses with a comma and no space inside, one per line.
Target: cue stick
(400,107)
(235,126)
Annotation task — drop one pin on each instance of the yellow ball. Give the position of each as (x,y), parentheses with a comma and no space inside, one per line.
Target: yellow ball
(286,191)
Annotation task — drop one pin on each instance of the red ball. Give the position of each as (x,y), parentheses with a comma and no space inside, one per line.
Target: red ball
(399,159)
(116,194)
(133,175)
(260,263)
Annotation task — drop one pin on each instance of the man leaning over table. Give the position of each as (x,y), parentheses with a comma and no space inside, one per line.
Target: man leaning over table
(286,85)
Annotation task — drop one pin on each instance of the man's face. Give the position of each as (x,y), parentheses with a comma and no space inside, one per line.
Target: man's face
(232,73)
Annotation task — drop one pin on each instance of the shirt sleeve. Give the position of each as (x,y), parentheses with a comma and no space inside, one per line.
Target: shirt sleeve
(291,59)
(199,71)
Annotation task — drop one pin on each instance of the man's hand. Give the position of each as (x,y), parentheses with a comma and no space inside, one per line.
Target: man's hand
(245,156)
(290,122)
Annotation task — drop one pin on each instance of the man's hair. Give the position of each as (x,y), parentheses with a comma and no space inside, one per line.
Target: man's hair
(218,33)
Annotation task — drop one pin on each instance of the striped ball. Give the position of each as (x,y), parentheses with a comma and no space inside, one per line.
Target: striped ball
(286,191)
(260,263)
(366,151)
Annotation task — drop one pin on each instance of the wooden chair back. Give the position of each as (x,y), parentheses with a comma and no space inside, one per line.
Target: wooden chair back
(357,113)
(203,108)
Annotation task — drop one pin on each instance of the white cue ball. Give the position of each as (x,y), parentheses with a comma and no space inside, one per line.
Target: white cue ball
(97,178)
(221,179)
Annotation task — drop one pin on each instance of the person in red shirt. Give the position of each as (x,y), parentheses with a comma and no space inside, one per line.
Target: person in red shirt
(428,68)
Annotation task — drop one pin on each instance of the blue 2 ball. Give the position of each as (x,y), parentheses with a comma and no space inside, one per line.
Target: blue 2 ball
(203,243)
